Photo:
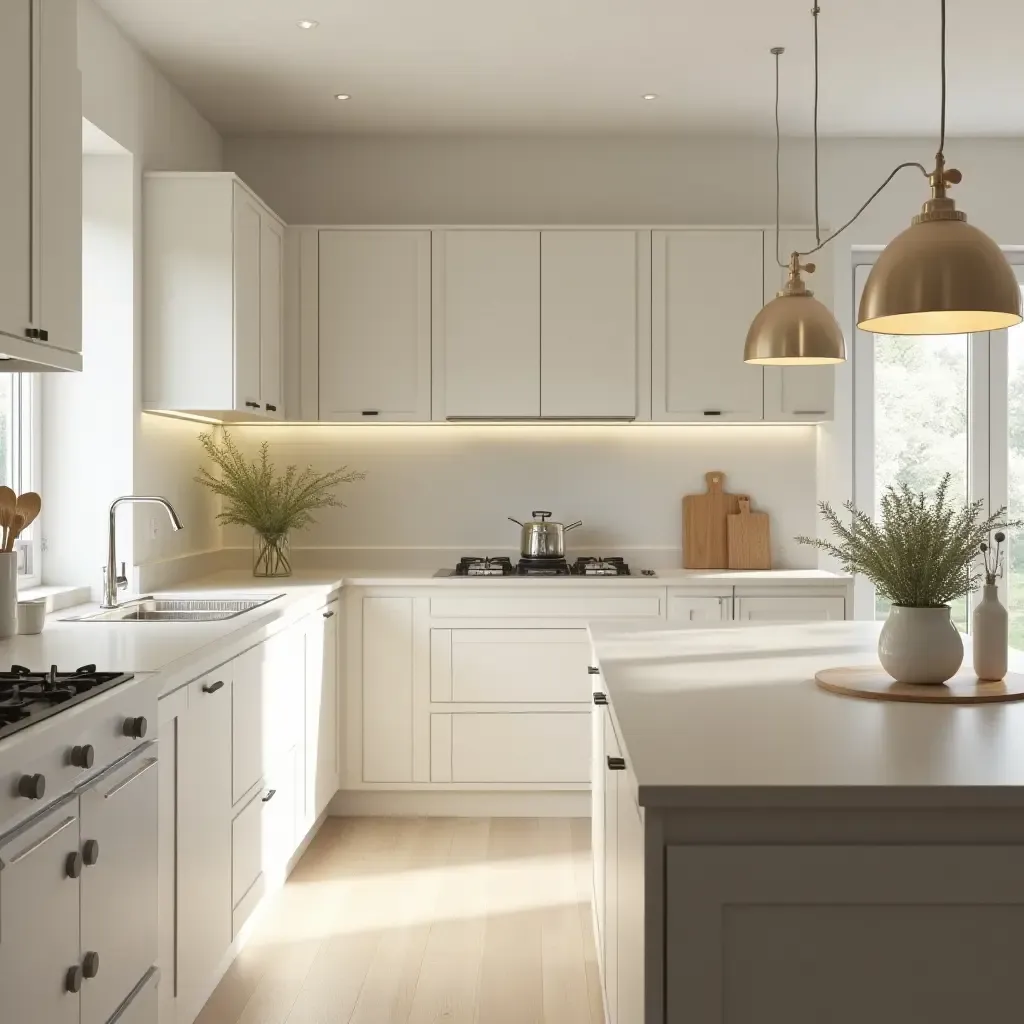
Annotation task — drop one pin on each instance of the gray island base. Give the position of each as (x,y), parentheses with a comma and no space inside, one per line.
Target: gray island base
(769,853)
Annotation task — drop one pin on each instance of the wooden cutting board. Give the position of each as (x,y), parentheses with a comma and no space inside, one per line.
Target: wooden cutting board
(750,545)
(705,537)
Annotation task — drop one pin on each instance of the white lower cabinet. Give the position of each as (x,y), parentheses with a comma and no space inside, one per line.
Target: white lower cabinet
(786,608)
(699,608)
(321,726)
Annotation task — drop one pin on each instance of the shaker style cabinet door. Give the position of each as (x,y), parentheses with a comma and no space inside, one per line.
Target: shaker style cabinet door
(487,335)
(708,286)
(374,325)
(16,167)
(271,315)
(798,392)
(589,324)
(40,958)
(248,309)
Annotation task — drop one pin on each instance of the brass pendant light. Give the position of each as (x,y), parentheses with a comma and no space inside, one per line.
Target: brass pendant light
(941,275)
(794,328)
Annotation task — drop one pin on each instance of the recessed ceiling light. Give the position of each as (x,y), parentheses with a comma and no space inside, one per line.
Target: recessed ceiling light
(650,95)
(342,96)
(306,23)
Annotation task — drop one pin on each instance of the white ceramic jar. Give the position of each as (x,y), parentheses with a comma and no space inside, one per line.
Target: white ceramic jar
(920,645)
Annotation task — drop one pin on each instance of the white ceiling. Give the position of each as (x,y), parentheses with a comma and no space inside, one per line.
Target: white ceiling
(564,65)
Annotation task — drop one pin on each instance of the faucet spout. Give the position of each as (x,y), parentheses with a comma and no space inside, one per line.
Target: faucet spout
(112,580)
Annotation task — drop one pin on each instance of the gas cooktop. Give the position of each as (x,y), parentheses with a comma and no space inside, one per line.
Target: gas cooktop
(477,566)
(27,697)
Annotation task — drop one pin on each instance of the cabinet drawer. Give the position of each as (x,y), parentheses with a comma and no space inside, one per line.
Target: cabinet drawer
(696,609)
(580,604)
(511,748)
(786,608)
(521,665)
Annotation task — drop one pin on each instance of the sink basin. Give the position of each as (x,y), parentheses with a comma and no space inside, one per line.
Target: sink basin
(178,609)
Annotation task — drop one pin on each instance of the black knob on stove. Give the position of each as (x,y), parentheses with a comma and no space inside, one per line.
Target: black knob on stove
(73,979)
(83,757)
(91,965)
(73,865)
(135,727)
(33,787)
(90,852)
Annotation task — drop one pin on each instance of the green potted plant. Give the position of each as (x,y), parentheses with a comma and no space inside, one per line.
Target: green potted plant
(920,556)
(272,504)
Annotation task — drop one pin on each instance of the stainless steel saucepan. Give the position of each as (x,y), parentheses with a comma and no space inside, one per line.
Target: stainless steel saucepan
(541,538)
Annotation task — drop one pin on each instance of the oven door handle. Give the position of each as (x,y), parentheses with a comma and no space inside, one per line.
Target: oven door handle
(41,841)
(117,767)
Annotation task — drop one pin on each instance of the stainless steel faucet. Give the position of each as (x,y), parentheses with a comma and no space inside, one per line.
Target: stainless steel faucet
(112,580)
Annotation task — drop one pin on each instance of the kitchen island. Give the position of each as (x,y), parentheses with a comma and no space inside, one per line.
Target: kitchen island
(767,852)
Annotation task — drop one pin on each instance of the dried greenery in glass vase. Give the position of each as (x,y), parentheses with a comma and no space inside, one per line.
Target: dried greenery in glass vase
(922,553)
(270,503)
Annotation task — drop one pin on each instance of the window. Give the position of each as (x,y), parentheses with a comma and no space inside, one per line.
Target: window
(926,406)
(19,433)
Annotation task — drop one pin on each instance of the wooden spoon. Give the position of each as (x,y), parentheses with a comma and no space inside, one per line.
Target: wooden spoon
(17,525)
(28,505)
(8,503)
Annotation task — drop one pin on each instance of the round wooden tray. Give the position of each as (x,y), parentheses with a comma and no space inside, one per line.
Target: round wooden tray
(872,683)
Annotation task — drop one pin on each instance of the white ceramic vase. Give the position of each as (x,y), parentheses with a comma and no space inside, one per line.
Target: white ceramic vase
(920,645)
(990,637)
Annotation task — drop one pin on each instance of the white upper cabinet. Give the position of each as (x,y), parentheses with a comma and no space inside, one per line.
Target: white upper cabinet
(213,297)
(374,325)
(798,392)
(40,186)
(708,285)
(590,324)
(486,315)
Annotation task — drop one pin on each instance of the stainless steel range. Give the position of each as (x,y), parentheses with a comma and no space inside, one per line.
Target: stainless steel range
(477,566)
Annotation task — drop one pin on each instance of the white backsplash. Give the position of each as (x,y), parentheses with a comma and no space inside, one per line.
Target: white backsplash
(433,492)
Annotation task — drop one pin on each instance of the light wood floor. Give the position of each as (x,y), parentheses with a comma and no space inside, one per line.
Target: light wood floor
(417,920)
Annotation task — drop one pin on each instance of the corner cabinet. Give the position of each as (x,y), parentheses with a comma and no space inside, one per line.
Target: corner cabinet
(40,187)
(214,298)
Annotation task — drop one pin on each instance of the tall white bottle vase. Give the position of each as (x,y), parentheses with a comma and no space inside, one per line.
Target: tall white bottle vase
(990,635)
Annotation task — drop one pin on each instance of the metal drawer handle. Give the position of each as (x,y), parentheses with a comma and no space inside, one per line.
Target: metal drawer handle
(328,615)
(213,687)
(593,670)
(269,796)
(55,831)
(600,699)
(131,778)
(617,764)
(808,412)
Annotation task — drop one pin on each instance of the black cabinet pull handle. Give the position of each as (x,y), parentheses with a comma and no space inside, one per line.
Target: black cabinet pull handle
(271,408)
(593,670)
(371,412)
(44,335)
(73,864)
(90,965)
(712,412)
(269,796)
(617,764)
(328,615)
(253,405)
(90,852)
(600,699)
(808,412)
(32,787)
(31,332)
(213,687)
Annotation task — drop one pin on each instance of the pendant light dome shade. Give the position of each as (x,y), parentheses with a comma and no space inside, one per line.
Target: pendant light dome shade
(795,329)
(940,276)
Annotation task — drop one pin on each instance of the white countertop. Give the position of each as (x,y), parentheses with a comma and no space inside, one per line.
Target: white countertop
(722,715)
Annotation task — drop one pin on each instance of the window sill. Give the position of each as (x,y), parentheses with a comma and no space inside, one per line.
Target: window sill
(57,598)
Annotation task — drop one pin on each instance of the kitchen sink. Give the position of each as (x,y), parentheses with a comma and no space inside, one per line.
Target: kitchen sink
(177,609)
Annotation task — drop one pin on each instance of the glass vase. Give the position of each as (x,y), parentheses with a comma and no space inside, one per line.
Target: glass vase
(271,555)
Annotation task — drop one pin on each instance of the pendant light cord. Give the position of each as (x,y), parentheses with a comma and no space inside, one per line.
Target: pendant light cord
(777,51)
(942,50)
(815,11)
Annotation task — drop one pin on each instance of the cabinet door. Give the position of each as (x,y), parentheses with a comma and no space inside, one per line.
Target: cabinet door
(589,328)
(630,903)
(790,609)
(387,689)
(271,315)
(39,939)
(684,609)
(611,875)
(707,288)
(59,176)
(204,840)
(798,392)
(119,890)
(374,325)
(16,167)
(321,774)
(170,711)
(248,218)
(598,784)
(487,324)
